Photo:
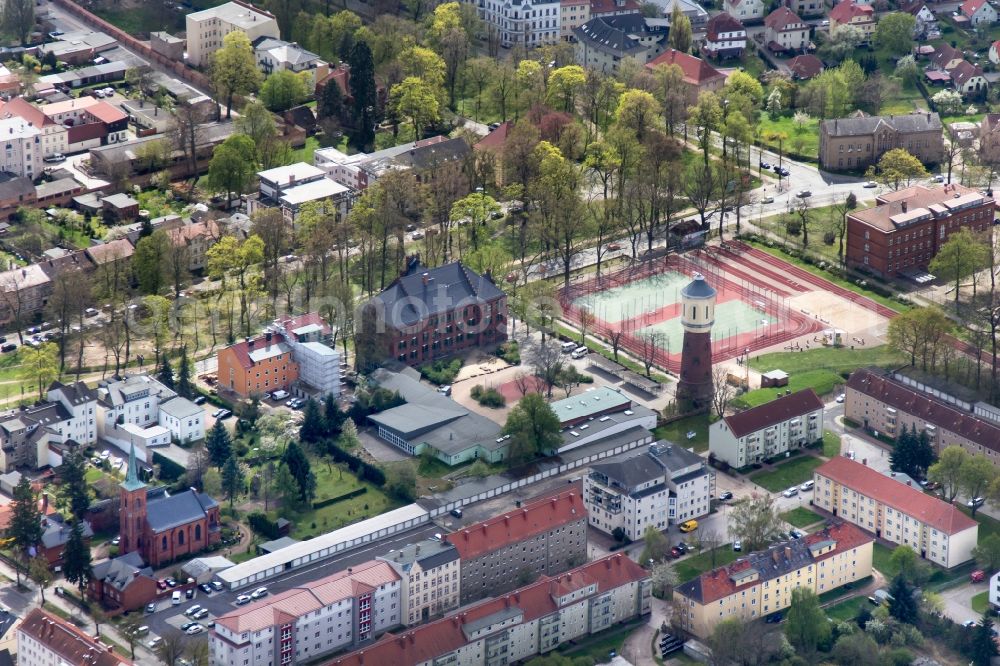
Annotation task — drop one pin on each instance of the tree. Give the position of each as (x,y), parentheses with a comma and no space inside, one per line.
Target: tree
(565,83)
(664,577)
(76,557)
(912,453)
(906,563)
(948,102)
(722,390)
(39,365)
(233,479)
(298,464)
(902,604)
(234,69)
(897,168)
(313,427)
(73,472)
(962,255)
(331,102)
(841,43)
(657,546)
(533,427)
(976,474)
(907,69)
(25,526)
(895,33)
(184,385)
(948,470)
(806,626)
(919,333)
(401,481)
(233,166)
(130,632)
(19,18)
(349,439)
(284,89)
(477,209)
(39,572)
(363,91)
(636,110)
(987,553)
(752,519)
(680,30)
(982,646)
(165,373)
(172,646)
(858,649)
(219,444)
(286,487)
(737,640)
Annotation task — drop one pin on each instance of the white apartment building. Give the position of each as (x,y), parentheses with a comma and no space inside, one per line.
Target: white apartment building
(129,413)
(430,574)
(319,362)
(514,627)
(787,423)
(522,21)
(22,147)
(665,485)
(80,403)
(994,595)
(305,623)
(894,511)
(184,419)
(276,54)
(46,640)
(206,29)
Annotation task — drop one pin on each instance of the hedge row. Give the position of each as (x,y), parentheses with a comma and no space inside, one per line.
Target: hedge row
(340,498)
(359,467)
(169,470)
(263,525)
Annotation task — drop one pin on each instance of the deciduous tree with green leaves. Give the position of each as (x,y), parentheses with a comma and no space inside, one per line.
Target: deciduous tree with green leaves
(897,168)
(962,255)
(894,33)
(752,519)
(39,365)
(680,30)
(806,626)
(234,69)
(284,89)
(416,100)
(233,166)
(533,427)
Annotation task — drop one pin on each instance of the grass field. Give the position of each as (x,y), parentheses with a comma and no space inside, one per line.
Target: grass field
(980,601)
(831,444)
(819,220)
(696,565)
(802,140)
(305,153)
(801,517)
(821,380)
(846,610)
(788,474)
(677,432)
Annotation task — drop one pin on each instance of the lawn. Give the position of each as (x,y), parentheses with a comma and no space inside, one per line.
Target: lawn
(846,610)
(980,601)
(801,517)
(691,567)
(831,444)
(598,646)
(821,380)
(677,432)
(820,220)
(880,561)
(788,474)
(305,153)
(987,526)
(838,360)
(802,140)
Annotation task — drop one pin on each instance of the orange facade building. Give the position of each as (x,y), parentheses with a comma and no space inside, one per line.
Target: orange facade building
(258,365)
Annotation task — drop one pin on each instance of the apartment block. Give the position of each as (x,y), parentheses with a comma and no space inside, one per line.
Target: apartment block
(23,142)
(138,410)
(785,424)
(310,339)
(44,640)
(515,627)
(529,23)
(860,140)
(544,537)
(429,573)
(31,436)
(761,583)
(663,486)
(257,365)
(206,29)
(785,32)
(887,403)
(904,230)
(894,511)
(305,623)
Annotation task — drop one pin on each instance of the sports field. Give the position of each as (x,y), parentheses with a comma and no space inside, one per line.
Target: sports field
(732,319)
(631,300)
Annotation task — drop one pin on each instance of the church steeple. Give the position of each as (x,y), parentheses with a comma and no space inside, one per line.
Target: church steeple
(132,482)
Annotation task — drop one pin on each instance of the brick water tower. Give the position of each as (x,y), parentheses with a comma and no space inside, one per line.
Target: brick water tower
(694,390)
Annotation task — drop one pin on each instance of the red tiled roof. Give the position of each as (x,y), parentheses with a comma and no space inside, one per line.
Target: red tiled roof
(242,349)
(926,508)
(496,139)
(292,323)
(72,645)
(776,411)
(805,66)
(518,525)
(425,643)
(964,71)
(189,232)
(719,584)
(783,17)
(970,7)
(605,7)
(696,71)
(296,602)
(21,108)
(882,387)
(848,9)
(107,113)
(720,23)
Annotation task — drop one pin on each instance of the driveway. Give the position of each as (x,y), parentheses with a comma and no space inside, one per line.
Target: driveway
(957,601)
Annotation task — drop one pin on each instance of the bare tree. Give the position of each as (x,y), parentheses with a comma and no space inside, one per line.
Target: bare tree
(722,390)
(547,361)
(188,121)
(522,380)
(616,336)
(172,647)
(652,342)
(587,320)
(12,289)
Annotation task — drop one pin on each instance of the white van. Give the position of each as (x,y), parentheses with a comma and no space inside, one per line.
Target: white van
(568,347)
(175,598)
(580,352)
(278,396)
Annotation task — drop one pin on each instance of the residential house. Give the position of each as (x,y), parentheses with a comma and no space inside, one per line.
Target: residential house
(302,624)
(120,206)
(904,230)
(429,573)
(926,27)
(55,533)
(275,54)
(79,47)
(769,430)
(572,14)
(494,552)
(435,422)
(23,156)
(24,292)
(206,29)
(689,8)
(663,486)
(969,79)
(197,238)
(886,403)
(785,32)
(44,639)
(699,76)
(490,149)
(257,365)
(850,13)
(946,57)
(432,313)
(894,511)
(122,583)
(530,24)
(428,158)
(860,140)
(530,621)
(603,41)
(978,11)
(805,67)
(761,583)
(811,8)
(139,410)
(745,11)
(613,8)
(725,37)
(311,341)
(66,417)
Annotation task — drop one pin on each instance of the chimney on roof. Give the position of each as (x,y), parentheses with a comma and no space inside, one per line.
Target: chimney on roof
(426,278)
(903,204)
(250,343)
(788,552)
(268,336)
(350,570)
(774,555)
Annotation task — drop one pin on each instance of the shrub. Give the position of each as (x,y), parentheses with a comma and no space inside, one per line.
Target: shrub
(829,237)
(510,352)
(477,391)
(169,470)
(340,498)
(441,372)
(490,398)
(263,525)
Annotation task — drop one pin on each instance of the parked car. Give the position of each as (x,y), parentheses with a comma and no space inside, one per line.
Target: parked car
(278,396)
(688,526)
(807,486)
(676,552)
(217,586)
(765,165)
(796,534)
(154,643)
(841,397)
(189,593)
(194,630)
(199,400)
(457,513)
(242,600)
(870,184)
(791,492)
(7,348)
(737,545)
(614,247)
(191,611)
(259,593)
(175,598)
(171,582)
(54,158)
(223,414)
(975,502)
(201,615)
(803,194)
(773,618)
(151,607)
(580,352)
(206,588)
(977,576)
(726,496)
(444,390)
(767,200)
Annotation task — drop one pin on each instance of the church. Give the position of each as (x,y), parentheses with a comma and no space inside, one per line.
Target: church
(164,527)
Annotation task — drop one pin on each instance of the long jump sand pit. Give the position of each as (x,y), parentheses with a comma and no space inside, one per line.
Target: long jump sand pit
(833,311)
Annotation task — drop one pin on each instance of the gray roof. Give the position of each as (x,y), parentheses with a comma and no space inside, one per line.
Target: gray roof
(431,418)
(613,34)
(76,393)
(435,154)
(202,565)
(674,457)
(55,532)
(472,626)
(172,510)
(862,125)
(13,186)
(180,408)
(698,288)
(121,571)
(134,387)
(430,553)
(662,459)
(277,544)
(56,187)
(120,200)
(407,300)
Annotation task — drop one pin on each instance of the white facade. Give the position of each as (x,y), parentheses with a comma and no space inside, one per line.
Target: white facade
(726,41)
(184,419)
(319,363)
(994,595)
(20,147)
(742,449)
(129,411)
(81,427)
(745,10)
(525,22)
(206,29)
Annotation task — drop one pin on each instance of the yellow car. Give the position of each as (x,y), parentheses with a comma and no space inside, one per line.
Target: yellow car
(688,526)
